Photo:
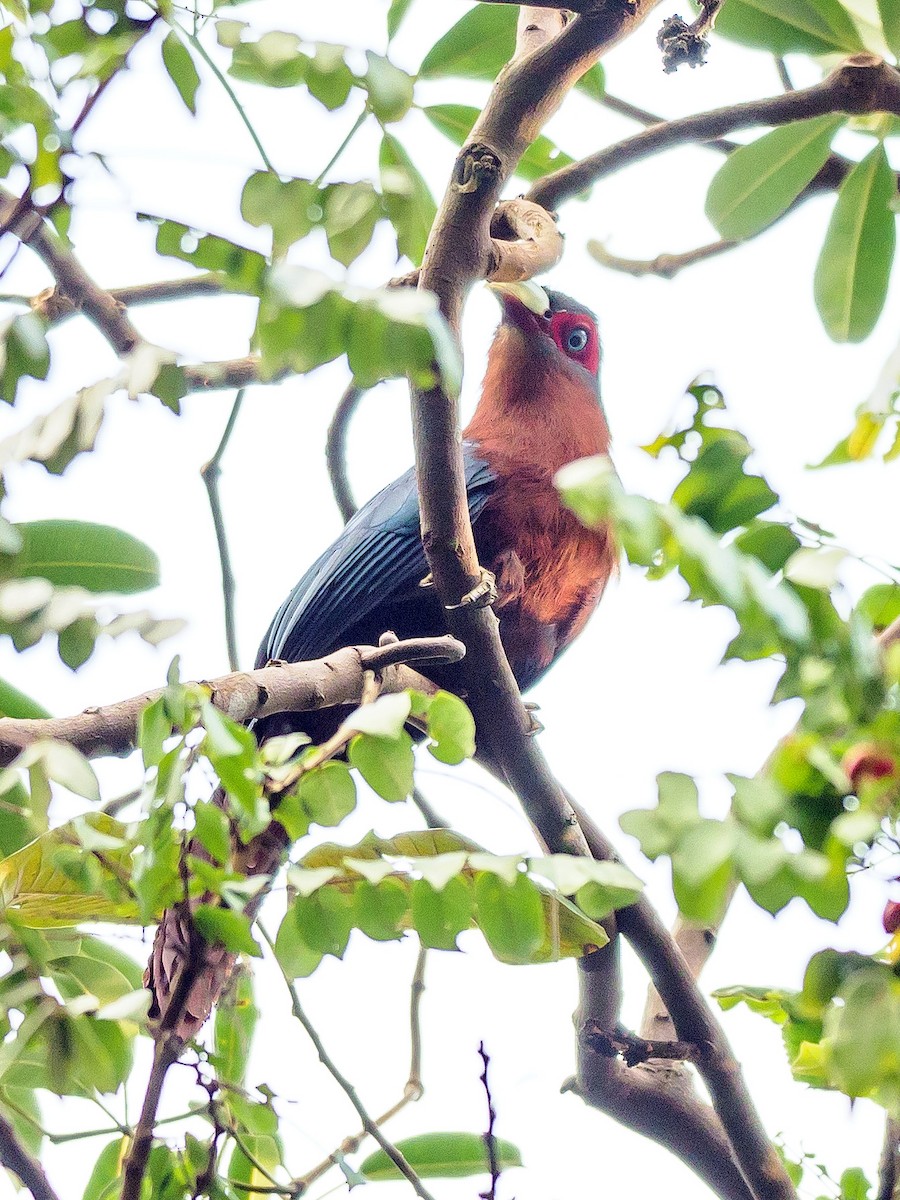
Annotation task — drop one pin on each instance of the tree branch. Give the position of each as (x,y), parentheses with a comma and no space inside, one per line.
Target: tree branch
(16,1159)
(861,84)
(279,687)
(665,265)
(71,278)
(54,306)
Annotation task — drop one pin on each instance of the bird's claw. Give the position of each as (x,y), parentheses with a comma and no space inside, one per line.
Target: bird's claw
(482,595)
(427,582)
(534,725)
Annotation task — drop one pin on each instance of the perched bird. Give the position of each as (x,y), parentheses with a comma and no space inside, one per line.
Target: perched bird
(539,409)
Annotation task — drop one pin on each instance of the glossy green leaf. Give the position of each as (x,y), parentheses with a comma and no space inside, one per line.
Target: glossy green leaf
(789,26)
(442,1156)
(181,70)
(480,45)
(105,1181)
(456,121)
(854,268)
(407,199)
(98,558)
(759,182)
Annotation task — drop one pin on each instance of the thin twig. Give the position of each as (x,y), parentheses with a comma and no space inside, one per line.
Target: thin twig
(861,84)
(210,474)
(336,449)
(412,1091)
(55,307)
(490,1141)
(370,1126)
(357,125)
(16,1159)
(665,265)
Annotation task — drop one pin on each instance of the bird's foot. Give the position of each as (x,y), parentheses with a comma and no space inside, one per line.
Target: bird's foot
(535,726)
(427,582)
(482,595)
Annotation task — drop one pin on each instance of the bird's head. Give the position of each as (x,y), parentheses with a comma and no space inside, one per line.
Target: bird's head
(553,331)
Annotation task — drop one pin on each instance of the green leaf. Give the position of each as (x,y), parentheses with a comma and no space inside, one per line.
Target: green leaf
(511,917)
(455,121)
(395,16)
(381,907)
(759,182)
(790,26)
(890,23)
(390,89)
(98,558)
(440,916)
(658,830)
(235,1021)
(442,1156)
(24,351)
(854,268)
(407,199)
(212,830)
(351,214)
(328,77)
(225,926)
(286,205)
(452,726)
(275,60)
(879,605)
(327,794)
(386,764)
(105,1182)
(324,920)
(702,870)
(297,959)
(481,43)
(384,717)
(181,70)
(14,703)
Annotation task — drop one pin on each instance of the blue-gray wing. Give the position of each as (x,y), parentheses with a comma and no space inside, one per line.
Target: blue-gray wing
(368,580)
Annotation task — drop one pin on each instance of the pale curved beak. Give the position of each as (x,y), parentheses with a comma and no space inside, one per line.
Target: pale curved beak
(529,294)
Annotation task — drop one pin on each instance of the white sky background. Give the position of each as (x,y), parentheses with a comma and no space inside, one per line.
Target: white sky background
(641,692)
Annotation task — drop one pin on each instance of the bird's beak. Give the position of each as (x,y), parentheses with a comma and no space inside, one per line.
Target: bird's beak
(528,293)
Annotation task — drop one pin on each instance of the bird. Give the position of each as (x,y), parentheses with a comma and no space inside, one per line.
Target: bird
(539,409)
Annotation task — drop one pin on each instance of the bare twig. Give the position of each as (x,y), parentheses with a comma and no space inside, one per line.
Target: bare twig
(54,306)
(412,1090)
(72,280)
(281,687)
(210,474)
(336,449)
(370,1126)
(665,265)
(490,1141)
(861,84)
(16,1159)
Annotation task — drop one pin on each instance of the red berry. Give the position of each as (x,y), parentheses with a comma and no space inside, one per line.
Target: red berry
(890,918)
(868,760)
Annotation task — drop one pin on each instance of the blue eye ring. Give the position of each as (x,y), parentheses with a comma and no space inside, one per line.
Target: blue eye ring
(577,340)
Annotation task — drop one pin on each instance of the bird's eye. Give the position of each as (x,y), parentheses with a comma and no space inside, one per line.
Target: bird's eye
(577,340)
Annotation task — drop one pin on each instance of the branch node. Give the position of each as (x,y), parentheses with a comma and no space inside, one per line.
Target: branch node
(476,166)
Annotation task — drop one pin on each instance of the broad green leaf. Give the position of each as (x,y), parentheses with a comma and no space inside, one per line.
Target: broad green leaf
(328,794)
(440,916)
(14,703)
(352,211)
(297,959)
(511,917)
(854,267)
(181,70)
(407,199)
(452,727)
(455,121)
(234,1025)
(758,182)
(880,605)
(223,925)
(442,1156)
(384,717)
(381,908)
(45,884)
(480,45)
(23,351)
(288,206)
(790,26)
(99,558)
(324,920)
(390,89)
(275,60)
(328,77)
(890,23)
(385,763)
(105,1182)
